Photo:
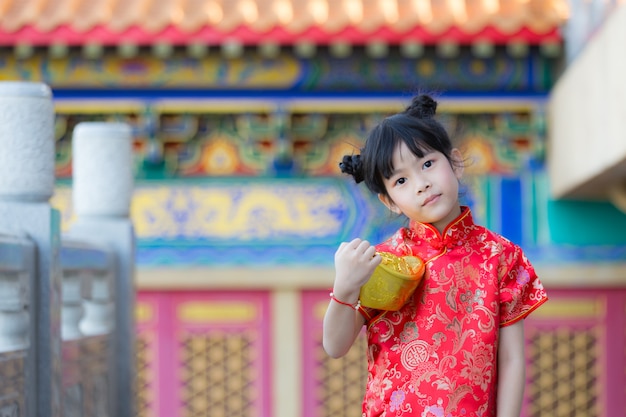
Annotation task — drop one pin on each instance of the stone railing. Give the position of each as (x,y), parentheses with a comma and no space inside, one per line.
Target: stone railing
(87,290)
(86,328)
(66,301)
(17,262)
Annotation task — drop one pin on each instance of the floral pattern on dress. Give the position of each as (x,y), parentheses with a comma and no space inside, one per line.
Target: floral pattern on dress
(437,355)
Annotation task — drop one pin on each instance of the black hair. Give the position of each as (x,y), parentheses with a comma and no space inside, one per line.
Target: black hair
(416,126)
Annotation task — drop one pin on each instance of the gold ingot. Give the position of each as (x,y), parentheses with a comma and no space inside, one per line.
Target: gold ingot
(393,282)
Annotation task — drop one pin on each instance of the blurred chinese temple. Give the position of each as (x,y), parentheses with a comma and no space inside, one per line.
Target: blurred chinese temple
(240,111)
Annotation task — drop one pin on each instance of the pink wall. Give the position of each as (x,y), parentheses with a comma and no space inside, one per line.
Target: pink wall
(194,341)
(575,350)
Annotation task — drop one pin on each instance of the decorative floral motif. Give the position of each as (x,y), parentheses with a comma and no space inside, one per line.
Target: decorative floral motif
(523,277)
(434,410)
(397,398)
(409,333)
(479,364)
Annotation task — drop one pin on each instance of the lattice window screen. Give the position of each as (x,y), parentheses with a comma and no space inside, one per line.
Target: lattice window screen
(342,381)
(564,373)
(215,375)
(143,380)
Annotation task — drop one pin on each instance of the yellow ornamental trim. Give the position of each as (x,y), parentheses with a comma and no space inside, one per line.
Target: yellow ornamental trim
(217,312)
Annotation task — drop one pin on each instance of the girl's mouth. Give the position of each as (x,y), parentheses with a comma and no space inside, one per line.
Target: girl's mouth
(430,200)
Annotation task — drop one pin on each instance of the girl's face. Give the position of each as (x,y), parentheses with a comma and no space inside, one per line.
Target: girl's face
(424,189)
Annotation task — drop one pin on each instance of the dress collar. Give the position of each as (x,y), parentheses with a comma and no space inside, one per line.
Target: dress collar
(453,235)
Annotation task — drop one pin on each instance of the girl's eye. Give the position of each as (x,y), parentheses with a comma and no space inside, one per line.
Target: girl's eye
(428,164)
(400,181)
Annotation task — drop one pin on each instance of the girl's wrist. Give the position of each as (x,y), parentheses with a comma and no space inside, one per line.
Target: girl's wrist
(348,295)
(355,305)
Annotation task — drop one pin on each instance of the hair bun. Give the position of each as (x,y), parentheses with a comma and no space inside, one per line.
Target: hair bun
(352,165)
(422,107)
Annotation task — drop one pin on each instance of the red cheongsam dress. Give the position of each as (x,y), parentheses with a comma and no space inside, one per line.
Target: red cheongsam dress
(436,356)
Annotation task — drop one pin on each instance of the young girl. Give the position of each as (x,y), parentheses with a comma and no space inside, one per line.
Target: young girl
(456,347)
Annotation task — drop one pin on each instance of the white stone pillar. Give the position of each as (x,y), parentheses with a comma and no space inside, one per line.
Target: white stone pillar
(102,193)
(26,184)
(103,169)
(26,142)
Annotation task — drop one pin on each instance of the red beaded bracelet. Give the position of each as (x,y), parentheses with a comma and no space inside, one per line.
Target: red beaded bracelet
(356,306)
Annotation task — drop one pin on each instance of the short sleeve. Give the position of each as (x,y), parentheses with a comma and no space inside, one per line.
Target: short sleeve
(521,291)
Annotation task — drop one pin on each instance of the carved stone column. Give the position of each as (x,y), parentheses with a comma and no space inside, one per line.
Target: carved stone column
(102,193)
(26,185)
(103,169)
(26,142)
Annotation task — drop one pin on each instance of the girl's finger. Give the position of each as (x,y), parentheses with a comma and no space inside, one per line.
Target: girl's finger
(370,252)
(376,259)
(364,246)
(355,243)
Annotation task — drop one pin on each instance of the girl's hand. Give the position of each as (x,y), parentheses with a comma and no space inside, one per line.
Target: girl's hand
(354,263)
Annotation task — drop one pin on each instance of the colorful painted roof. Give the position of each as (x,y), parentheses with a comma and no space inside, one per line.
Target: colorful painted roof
(284,22)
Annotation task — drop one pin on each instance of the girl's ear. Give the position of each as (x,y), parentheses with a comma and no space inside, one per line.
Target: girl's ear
(389,203)
(457,163)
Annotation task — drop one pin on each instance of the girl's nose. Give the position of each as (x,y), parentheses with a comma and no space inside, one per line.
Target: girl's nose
(422,186)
